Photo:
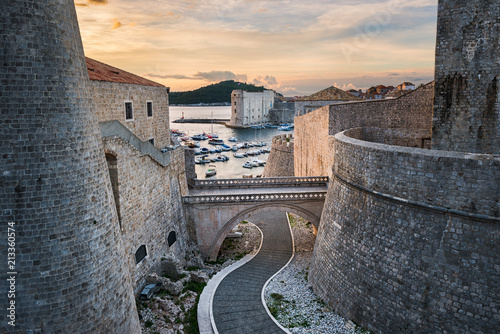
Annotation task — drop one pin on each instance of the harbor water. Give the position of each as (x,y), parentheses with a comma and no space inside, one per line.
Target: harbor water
(233,168)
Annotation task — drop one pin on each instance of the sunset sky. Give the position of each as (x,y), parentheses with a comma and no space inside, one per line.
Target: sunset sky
(295,47)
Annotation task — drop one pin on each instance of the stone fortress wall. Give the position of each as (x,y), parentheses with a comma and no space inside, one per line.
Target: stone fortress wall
(55,189)
(280,160)
(305,107)
(408,239)
(147,183)
(314,152)
(250,108)
(466,117)
(109,99)
(282,112)
(149,204)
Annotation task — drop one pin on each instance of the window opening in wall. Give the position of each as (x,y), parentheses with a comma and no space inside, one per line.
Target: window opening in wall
(140,254)
(171,238)
(149,106)
(152,141)
(128,111)
(113,175)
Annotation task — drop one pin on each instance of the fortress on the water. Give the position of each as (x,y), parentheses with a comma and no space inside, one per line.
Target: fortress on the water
(408,240)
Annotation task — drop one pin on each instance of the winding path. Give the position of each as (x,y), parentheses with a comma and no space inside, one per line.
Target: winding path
(237,303)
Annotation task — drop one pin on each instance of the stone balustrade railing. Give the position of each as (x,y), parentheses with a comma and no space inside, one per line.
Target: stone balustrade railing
(262,182)
(307,196)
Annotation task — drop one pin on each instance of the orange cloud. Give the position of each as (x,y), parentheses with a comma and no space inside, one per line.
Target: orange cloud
(97,2)
(91,2)
(262,10)
(117,24)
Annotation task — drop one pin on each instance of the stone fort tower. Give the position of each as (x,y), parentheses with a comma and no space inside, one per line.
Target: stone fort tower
(55,189)
(467,100)
(408,239)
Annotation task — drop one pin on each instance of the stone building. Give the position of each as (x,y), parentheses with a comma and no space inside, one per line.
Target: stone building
(314,153)
(327,96)
(147,183)
(141,105)
(408,239)
(250,108)
(283,112)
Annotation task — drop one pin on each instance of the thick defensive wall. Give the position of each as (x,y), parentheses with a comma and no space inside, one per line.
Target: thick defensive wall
(69,267)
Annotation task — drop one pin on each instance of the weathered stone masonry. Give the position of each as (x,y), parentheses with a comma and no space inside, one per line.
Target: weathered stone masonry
(55,186)
(280,160)
(408,240)
(109,98)
(467,117)
(150,206)
(314,153)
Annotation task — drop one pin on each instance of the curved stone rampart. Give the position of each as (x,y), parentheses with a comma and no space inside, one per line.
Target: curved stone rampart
(67,273)
(314,154)
(280,160)
(409,238)
(461,181)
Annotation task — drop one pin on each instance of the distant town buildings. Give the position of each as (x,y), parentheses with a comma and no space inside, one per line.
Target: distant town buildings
(406,86)
(254,108)
(381,92)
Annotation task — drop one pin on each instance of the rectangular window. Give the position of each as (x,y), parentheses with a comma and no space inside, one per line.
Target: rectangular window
(140,254)
(129,114)
(150,108)
(152,141)
(171,238)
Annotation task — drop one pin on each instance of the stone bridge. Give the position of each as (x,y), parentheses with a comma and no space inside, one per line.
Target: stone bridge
(215,207)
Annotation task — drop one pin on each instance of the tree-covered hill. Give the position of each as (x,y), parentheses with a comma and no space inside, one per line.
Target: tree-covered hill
(215,93)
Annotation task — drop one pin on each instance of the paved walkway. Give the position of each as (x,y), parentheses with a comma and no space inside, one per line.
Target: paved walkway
(237,304)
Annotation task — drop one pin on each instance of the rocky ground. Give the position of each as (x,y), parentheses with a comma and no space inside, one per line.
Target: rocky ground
(288,296)
(172,310)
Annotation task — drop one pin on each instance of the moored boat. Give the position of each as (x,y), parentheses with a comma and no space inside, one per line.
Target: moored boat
(211,171)
(216,141)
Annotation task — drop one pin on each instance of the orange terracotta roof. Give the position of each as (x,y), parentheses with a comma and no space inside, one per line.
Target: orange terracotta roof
(103,72)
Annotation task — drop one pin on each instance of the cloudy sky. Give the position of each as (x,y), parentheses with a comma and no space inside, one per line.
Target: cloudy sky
(296,47)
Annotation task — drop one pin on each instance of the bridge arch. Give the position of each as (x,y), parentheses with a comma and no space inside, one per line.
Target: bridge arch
(259,208)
